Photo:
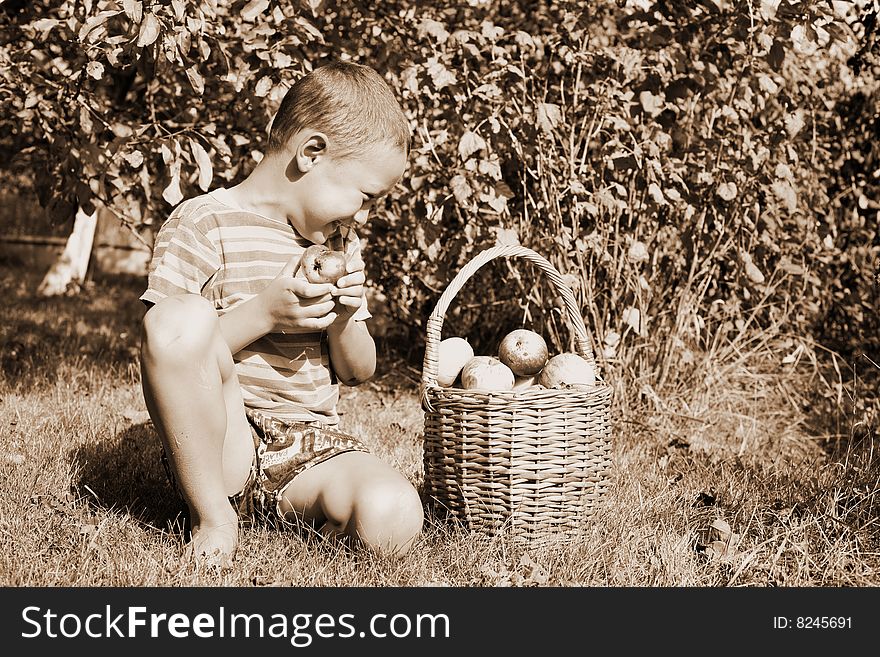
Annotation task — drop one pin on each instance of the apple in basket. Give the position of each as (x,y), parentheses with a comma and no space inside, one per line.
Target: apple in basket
(486,373)
(323,265)
(567,368)
(523,351)
(525,382)
(453,354)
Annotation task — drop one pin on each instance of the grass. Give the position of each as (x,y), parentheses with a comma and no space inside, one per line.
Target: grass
(751,474)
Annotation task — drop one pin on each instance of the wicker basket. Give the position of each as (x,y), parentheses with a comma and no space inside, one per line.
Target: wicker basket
(533,463)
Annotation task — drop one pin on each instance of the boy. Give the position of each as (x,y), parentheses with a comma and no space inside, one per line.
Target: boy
(240,353)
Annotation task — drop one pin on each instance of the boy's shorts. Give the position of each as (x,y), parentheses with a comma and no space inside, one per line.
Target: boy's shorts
(283,449)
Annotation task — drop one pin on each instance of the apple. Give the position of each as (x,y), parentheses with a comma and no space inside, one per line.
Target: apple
(486,373)
(323,265)
(524,382)
(453,354)
(523,351)
(567,368)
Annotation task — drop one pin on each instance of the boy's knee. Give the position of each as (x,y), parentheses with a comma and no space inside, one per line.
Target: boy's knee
(178,326)
(389,515)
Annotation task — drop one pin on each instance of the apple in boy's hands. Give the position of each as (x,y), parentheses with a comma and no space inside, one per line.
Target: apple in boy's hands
(567,369)
(523,351)
(323,265)
(486,373)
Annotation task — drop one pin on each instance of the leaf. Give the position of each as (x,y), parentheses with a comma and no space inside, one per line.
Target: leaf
(612,338)
(638,252)
(134,9)
(651,103)
(263,86)
(503,189)
(469,144)
(836,32)
(754,274)
(179,7)
(768,85)
(313,31)
(785,193)
(794,122)
(727,191)
(721,530)
(167,155)
(656,194)
(440,75)
(146,183)
(134,159)
(206,169)
(204,50)
(776,56)
(549,116)
(460,189)
(624,163)
(632,317)
(87,31)
(44,25)
(490,168)
(488,91)
(149,31)
(172,193)
(95,70)
(85,120)
(783,171)
(433,28)
(524,39)
(491,31)
(505,236)
(196,80)
(497,203)
(253,9)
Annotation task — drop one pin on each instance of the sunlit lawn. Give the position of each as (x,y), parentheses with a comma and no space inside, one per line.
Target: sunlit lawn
(733,484)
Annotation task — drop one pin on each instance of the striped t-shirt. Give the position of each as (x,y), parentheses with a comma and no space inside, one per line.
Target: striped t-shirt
(211,247)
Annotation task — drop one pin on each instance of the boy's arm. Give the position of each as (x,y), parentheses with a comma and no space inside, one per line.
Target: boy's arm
(286,303)
(243,324)
(352,351)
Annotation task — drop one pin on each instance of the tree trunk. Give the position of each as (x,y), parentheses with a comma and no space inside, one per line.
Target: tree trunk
(69,271)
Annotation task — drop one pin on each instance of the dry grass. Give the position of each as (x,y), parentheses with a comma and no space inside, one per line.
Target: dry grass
(746,473)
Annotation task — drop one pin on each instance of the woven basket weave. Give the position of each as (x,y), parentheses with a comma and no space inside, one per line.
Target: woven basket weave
(533,463)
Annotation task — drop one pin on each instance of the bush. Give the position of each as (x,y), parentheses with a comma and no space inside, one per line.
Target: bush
(702,171)
(677,163)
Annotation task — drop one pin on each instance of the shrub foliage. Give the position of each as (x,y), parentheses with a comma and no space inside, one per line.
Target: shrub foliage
(699,170)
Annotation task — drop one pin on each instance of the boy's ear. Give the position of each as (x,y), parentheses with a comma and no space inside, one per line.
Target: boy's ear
(310,150)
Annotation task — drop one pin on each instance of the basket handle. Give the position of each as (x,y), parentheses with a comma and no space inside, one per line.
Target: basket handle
(435,320)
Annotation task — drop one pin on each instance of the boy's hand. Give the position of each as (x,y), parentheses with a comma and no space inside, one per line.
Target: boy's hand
(290,301)
(349,290)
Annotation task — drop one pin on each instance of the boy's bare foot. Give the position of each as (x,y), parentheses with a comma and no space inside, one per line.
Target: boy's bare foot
(213,545)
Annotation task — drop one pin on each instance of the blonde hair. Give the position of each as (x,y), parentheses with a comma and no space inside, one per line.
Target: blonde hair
(350,103)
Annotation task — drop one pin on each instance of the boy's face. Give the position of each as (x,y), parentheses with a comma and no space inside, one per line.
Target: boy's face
(340,192)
